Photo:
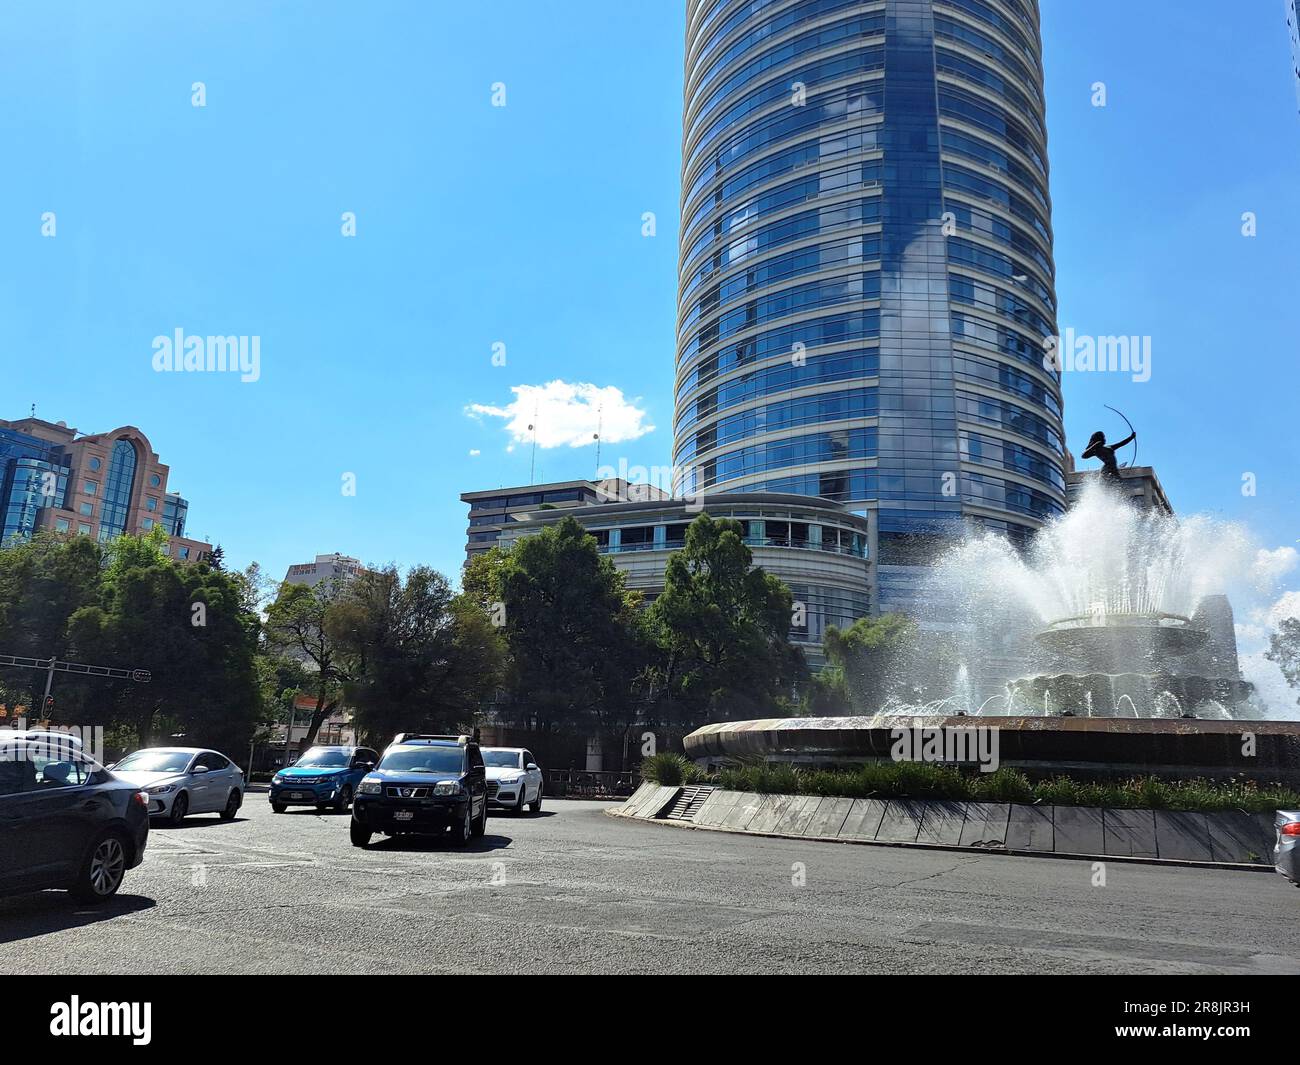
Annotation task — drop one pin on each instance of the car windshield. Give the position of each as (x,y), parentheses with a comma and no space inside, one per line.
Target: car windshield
(424,760)
(323,758)
(501,759)
(154,762)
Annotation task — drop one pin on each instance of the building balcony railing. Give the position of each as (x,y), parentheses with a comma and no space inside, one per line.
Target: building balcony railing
(752,541)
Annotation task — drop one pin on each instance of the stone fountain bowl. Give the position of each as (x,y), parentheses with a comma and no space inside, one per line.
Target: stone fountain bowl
(1116,643)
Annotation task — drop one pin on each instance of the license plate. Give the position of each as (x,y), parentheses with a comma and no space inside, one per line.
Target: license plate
(403,815)
(298,795)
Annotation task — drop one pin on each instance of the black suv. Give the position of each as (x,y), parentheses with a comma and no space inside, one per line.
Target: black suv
(423,784)
(65,820)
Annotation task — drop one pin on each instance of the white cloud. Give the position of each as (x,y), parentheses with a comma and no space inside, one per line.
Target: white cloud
(567,413)
(1271,565)
(474,451)
(1288,606)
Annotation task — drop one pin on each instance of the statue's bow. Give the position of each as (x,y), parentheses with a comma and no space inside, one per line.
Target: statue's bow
(1133,460)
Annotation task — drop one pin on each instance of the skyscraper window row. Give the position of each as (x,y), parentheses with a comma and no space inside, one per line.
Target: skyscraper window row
(983,295)
(989,373)
(978,224)
(773,344)
(858,98)
(966,107)
(836,446)
(825,407)
(957,29)
(727,177)
(972,185)
(826,185)
(974,74)
(807,260)
(1017,27)
(821,370)
(699,17)
(852,31)
(959,142)
(999,493)
(1000,414)
(1002,266)
(744,247)
(789,18)
(778,91)
(982,450)
(799,299)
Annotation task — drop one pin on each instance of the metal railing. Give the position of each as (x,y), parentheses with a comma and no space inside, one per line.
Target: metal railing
(581,784)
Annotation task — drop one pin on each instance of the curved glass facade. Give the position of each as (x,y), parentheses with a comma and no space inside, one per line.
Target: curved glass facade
(866,269)
(117,491)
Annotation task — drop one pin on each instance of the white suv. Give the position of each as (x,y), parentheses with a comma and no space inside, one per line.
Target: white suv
(514,779)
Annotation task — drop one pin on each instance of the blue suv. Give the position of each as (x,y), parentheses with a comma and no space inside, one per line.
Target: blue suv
(324,777)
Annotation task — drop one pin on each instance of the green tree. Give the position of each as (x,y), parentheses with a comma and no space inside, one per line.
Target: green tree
(572,630)
(187,625)
(43,582)
(296,629)
(415,656)
(865,659)
(1284,649)
(722,628)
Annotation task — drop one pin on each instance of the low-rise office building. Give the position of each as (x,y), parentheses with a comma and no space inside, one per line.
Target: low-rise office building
(97,484)
(491,511)
(332,567)
(815,546)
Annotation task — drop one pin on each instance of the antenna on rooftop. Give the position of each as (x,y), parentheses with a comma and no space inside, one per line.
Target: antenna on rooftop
(532,466)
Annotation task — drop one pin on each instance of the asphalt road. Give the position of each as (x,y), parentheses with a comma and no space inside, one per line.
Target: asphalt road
(573,890)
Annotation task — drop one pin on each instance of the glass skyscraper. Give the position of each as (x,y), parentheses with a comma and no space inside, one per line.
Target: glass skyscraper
(866,273)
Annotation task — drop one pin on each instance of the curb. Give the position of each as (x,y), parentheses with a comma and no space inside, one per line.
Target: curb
(1231,840)
(1239,867)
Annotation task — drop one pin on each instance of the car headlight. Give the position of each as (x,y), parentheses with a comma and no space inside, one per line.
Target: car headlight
(446,787)
(278,778)
(162,789)
(369,787)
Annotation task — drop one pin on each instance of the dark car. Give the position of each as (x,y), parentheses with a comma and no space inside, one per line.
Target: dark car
(423,784)
(323,777)
(66,821)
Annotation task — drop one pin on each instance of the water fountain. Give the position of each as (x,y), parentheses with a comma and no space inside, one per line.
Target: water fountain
(1107,646)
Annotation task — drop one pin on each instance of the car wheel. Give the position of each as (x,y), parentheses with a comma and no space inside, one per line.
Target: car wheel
(518,807)
(536,804)
(480,823)
(344,800)
(463,830)
(359,833)
(101,873)
(278,807)
(232,806)
(180,807)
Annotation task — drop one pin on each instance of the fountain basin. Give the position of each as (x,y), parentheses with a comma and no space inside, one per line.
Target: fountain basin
(1115,643)
(1041,746)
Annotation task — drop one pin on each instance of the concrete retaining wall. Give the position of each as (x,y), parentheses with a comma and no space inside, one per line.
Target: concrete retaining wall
(1228,837)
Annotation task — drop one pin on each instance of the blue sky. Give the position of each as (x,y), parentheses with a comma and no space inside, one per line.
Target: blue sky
(522,225)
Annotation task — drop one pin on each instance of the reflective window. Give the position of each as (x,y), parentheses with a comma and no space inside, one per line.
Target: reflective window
(117,490)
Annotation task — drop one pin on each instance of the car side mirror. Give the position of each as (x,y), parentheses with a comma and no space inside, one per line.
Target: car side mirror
(532,765)
(111,765)
(365,765)
(198,769)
